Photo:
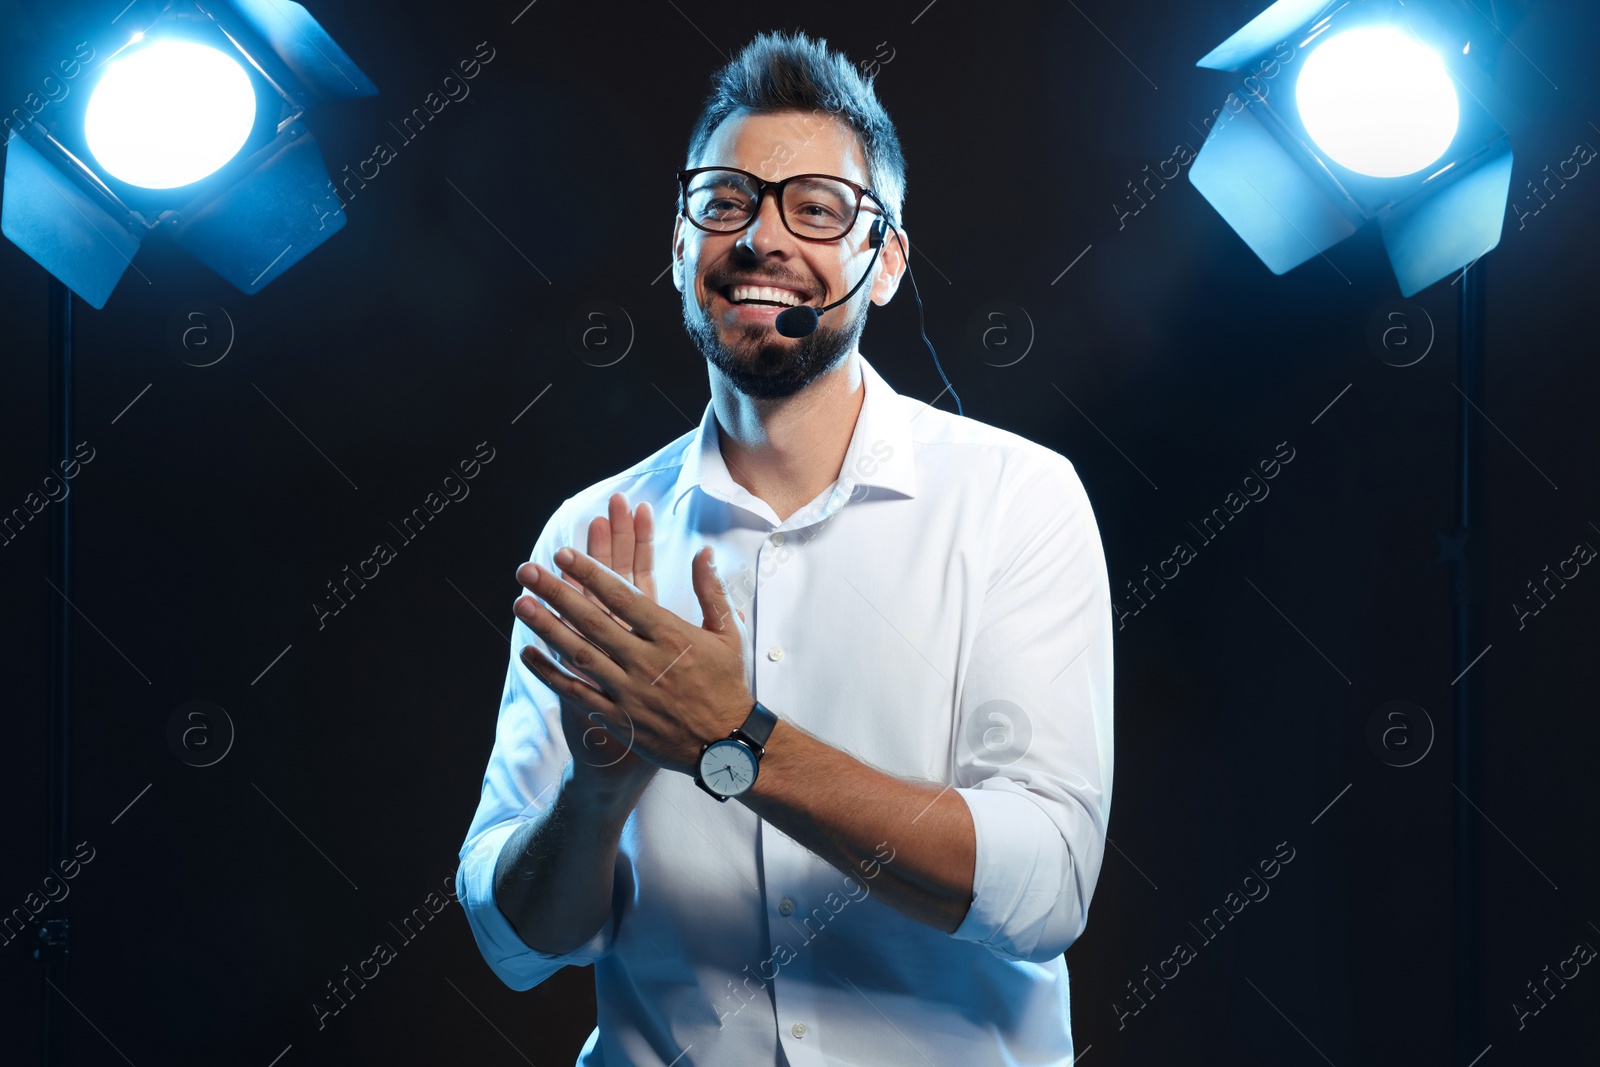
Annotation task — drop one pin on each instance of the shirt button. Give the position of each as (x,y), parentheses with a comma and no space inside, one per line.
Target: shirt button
(777,539)
(775,653)
(786,907)
(798,1029)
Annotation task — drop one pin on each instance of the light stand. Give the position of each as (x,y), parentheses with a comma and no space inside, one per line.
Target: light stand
(53,946)
(1468,556)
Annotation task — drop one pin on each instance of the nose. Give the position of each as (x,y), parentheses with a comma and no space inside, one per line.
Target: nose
(766,231)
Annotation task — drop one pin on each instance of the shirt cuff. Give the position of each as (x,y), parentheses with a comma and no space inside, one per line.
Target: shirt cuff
(1021,871)
(517,965)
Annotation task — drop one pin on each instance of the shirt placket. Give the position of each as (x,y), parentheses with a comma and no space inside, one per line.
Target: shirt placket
(787,867)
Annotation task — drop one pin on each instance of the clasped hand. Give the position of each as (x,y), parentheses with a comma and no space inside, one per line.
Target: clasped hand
(653,680)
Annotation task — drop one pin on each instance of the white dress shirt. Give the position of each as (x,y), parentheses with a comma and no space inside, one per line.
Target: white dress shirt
(942,613)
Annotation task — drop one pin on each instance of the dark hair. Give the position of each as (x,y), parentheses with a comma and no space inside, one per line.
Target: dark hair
(777,72)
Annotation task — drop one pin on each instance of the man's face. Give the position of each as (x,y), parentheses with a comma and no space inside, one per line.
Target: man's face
(740,339)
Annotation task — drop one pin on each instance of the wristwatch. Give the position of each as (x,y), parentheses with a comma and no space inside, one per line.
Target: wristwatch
(728,767)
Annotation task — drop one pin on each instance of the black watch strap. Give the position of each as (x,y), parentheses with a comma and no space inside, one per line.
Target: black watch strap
(758,724)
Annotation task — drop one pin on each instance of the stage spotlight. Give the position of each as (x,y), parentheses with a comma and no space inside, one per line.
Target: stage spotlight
(169,114)
(1378,102)
(193,124)
(1353,111)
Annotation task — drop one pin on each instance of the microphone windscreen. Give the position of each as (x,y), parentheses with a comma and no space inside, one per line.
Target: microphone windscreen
(798,321)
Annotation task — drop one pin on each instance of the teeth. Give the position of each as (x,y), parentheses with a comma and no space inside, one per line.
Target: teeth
(765,292)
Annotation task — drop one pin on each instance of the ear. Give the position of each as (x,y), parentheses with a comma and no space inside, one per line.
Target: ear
(891,266)
(677,252)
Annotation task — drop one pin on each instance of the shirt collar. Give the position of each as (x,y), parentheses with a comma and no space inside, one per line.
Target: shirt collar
(879,454)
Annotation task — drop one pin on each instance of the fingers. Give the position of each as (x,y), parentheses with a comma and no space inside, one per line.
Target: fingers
(583,635)
(570,689)
(714,606)
(625,541)
(621,537)
(600,539)
(599,548)
(644,551)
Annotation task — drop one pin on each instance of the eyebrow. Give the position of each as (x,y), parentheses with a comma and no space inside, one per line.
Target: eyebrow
(813,181)
(710,179)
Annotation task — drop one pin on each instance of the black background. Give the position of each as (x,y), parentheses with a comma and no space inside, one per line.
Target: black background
(219,904)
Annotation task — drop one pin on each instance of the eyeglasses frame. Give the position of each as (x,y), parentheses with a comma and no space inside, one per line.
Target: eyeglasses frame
(762,186)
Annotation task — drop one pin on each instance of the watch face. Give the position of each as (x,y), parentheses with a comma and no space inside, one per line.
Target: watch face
(728,767)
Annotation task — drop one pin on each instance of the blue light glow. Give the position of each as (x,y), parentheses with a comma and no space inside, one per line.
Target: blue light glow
(169,114)
(1378,102)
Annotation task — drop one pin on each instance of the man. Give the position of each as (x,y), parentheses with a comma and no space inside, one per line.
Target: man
(855,814)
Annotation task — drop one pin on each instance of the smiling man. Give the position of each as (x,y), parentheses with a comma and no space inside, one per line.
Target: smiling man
(839,796)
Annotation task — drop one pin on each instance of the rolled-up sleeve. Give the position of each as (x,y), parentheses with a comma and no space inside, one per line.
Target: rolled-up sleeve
(517,965)
(1033,736)
(525,767)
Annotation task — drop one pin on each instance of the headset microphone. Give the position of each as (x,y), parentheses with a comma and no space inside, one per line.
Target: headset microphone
(801,320)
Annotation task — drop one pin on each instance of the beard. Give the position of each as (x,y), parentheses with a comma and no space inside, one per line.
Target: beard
(760,362)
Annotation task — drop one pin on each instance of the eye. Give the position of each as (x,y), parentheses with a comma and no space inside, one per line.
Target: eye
(720,205)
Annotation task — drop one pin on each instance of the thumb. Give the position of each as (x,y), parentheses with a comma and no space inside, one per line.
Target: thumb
(713,598)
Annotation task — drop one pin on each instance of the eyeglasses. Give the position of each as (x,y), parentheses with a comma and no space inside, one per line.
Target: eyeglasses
(813,207)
